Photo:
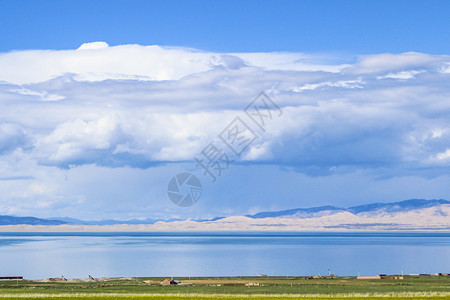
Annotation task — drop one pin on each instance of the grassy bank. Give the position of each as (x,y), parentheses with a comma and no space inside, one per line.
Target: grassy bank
(412,287)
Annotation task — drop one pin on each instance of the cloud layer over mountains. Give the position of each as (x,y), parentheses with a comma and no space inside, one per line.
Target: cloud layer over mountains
(146,106)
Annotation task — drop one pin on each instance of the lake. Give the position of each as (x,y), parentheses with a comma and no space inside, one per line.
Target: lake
(113,254)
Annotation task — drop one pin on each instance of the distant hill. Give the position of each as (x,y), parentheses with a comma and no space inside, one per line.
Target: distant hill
(9,220)
(374,208)
(401,206)
(112,222)
(297,212)
(126,222)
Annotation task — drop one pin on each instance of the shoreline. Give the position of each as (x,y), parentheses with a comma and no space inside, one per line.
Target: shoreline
(152,228)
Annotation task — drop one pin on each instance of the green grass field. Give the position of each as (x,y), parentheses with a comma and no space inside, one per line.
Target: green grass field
(412,287)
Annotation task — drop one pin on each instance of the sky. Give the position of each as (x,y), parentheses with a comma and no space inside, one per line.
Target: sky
(351,27)
(102,103)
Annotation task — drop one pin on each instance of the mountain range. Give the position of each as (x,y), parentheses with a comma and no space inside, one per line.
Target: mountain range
(11,220)
(368,209)
(414,214)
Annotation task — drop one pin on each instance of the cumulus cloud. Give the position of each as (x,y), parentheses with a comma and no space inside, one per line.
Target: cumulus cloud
(45,96)
(388,62)
(93,46)
(12,136)
(94,63)
(345,84)
(97,61)
(125,139)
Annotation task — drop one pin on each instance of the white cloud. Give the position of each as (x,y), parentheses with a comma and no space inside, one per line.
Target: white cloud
(93,46)
(443,155)
(446,68)
(80,141)
(378,63)
(126,138)
(289,62)
(258,152)
(97,61)
(44,96)
(102,63)
(400,75)
(12,136)
(351,84)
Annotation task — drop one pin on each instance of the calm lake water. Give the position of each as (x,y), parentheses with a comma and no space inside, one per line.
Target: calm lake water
(77,255)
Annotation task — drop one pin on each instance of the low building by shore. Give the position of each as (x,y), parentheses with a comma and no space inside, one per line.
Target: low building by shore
(381,276)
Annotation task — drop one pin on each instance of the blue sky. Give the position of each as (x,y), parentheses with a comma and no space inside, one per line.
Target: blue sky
(351,27)
(102,103)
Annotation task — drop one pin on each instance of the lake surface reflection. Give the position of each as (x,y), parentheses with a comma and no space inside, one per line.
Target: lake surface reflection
(73,255)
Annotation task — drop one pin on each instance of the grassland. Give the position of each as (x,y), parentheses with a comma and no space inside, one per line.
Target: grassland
(412,287)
